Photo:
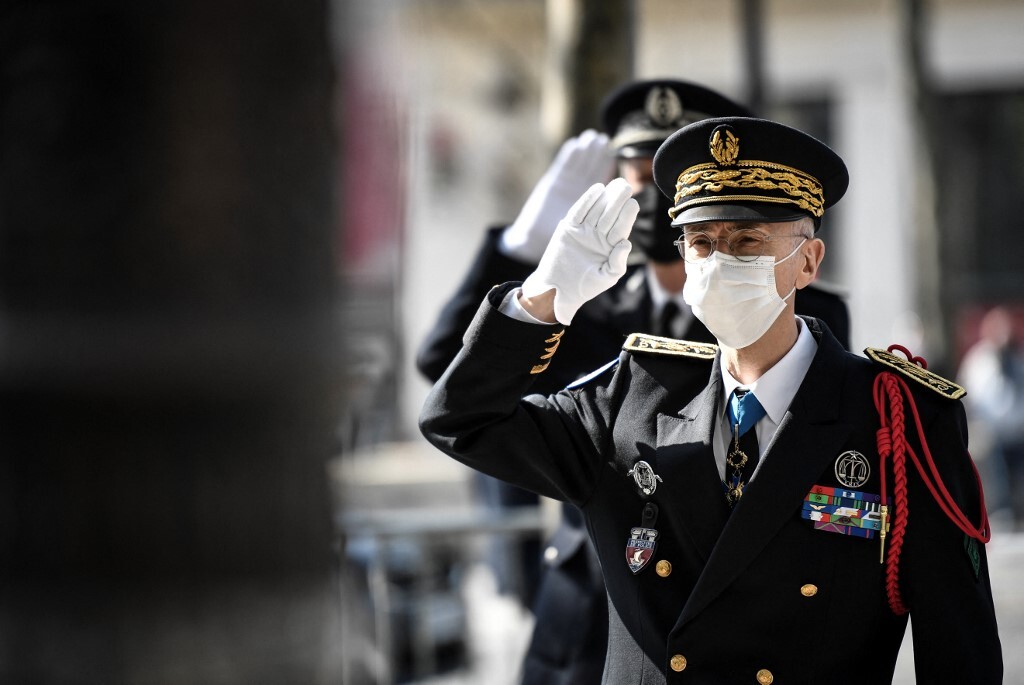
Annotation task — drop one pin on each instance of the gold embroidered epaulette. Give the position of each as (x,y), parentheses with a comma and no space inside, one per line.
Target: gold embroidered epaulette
(640,342)
(933,381)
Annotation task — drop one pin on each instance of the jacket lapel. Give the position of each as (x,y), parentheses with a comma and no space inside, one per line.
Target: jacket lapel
(686,459)
(809,437)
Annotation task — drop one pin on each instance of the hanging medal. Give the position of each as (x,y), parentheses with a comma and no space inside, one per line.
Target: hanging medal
(734,461)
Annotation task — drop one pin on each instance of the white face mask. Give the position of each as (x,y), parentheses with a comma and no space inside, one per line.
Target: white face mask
(736,300)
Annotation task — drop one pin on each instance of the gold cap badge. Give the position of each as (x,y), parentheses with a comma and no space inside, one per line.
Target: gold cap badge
(725,146)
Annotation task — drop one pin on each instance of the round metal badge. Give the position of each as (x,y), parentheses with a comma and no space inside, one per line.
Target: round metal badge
(852,469)
(645,477)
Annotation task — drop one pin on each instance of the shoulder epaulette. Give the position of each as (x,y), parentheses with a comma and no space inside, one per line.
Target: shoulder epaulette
(652,344)
(933,381)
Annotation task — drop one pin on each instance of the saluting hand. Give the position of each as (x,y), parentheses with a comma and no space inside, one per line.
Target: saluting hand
(586,255)
(581,161)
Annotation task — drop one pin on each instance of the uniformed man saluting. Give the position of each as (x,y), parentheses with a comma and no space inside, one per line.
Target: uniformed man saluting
(750,502)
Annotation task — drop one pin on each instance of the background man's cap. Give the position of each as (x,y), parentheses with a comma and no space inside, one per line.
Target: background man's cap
(745,169)
(640,115)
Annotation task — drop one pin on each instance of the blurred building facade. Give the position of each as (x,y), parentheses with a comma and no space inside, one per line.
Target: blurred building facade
(470,77)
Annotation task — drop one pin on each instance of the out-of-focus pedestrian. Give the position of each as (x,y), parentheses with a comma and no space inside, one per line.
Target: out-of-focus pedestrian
(992,371)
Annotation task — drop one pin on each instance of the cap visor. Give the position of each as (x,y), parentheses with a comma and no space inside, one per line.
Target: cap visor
(764,213)
(645,150)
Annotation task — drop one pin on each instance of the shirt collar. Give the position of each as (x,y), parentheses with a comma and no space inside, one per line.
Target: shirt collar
(659,296)
(776,388)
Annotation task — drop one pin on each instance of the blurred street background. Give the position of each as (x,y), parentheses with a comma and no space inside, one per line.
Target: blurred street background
(226,227)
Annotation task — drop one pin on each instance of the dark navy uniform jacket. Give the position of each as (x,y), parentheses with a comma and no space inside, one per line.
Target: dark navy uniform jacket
(571,629)
(730,605)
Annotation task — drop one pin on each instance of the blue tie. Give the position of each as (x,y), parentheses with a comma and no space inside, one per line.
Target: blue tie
(743,454)
(744,409)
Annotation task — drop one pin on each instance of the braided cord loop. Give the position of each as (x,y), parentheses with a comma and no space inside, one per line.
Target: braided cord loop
(891,393)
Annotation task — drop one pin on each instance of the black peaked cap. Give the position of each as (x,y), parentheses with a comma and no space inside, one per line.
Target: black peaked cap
(640,115)
(747,169)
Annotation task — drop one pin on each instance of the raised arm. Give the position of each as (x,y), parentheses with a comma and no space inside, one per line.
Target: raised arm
(510,253)
(475,412)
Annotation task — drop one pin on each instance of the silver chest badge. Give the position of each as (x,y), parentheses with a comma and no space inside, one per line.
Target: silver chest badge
(852,469)
(645,477)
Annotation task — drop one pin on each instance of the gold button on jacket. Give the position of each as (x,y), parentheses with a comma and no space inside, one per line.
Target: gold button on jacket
(808,590)
(663,568)
(678,663)
(765,677)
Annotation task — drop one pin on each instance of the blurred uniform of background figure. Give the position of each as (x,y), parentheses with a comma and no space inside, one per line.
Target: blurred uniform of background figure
(563,584)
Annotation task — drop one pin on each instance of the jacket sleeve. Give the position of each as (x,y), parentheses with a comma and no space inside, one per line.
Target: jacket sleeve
(481,414)
(444,340)
(944,574)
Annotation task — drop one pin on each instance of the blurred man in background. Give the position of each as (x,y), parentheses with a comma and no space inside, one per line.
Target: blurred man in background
(992,371)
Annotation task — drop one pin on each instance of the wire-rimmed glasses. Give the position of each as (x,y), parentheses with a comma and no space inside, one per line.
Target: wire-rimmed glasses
(746,244)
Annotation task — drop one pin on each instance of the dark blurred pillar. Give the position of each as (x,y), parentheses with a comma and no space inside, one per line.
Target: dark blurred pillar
(590,50)
(926,243)
(752,19)
(166,342)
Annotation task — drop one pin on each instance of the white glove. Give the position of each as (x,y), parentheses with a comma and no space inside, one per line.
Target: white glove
(588,252)
(581,162)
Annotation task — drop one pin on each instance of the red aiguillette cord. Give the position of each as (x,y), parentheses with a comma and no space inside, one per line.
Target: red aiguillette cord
(892,441)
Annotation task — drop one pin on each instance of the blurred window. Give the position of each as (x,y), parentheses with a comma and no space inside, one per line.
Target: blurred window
(981,162)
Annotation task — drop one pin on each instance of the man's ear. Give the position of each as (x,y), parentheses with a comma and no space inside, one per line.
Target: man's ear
(811,254)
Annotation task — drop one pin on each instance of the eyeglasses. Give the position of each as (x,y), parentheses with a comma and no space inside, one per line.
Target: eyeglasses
(745,245)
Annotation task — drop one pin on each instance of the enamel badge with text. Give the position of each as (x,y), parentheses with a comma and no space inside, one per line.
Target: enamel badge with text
(640,547)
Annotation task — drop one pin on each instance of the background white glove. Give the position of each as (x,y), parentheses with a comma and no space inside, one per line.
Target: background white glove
(588,252)
(581,162)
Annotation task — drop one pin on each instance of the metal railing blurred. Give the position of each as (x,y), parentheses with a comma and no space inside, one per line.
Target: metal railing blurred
(415,618)
(410,531)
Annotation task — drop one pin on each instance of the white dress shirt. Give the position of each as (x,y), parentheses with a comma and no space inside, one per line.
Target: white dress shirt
(511,307)
(775,390)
